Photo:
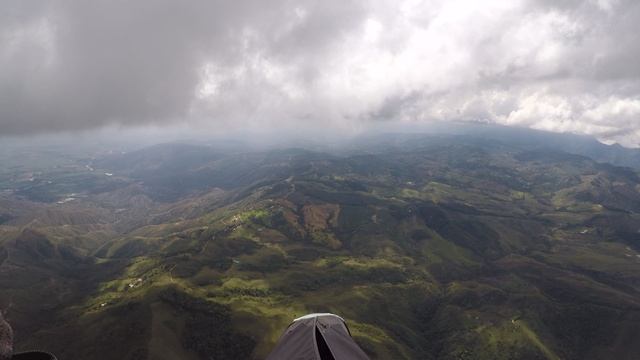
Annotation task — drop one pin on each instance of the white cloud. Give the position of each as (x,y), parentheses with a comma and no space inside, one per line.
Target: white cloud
(553,65)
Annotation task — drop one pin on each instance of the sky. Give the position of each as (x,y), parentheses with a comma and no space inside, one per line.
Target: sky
(347,65)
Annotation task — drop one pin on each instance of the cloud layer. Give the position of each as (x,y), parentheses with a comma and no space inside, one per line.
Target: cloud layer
(559,65)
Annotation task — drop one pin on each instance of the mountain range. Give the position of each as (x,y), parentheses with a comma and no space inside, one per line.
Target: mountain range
(471,243)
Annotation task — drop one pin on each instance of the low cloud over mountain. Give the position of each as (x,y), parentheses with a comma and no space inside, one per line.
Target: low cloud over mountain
(554,65)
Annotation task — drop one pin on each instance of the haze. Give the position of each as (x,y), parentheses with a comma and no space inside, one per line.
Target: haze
(453,179)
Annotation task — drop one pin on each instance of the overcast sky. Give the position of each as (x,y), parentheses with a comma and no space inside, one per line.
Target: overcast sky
(559,65)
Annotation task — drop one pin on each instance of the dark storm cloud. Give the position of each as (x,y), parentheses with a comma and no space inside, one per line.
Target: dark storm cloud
(557,65)
(81,64)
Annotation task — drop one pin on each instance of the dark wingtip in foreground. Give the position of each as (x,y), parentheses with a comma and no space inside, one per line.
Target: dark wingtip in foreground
(317,337)
(6,346)
(34,355)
